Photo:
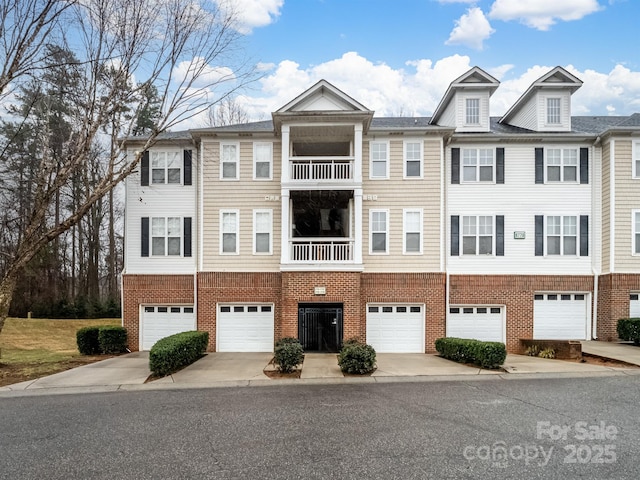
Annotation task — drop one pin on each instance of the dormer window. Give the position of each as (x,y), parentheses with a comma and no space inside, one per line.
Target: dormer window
(473,111)
(553,111)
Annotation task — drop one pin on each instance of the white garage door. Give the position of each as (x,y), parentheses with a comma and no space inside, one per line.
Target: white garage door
(396,328)
(161,321)
(634,305)
(245,328)
(560,316)
(478,323)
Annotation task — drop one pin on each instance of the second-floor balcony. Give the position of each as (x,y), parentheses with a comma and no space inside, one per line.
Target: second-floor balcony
(321,250)
(321,169)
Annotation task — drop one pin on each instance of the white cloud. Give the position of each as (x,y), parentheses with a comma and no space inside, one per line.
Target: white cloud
(471,30)
(253,13)
(541,14)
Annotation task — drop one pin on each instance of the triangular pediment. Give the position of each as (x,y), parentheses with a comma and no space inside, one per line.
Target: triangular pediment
(323,97)
(558,77)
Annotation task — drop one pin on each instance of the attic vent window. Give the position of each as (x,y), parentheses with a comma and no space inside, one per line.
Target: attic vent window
(553,111)
(473,111)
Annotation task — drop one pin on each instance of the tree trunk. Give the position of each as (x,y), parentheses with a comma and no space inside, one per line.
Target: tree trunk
(7,287)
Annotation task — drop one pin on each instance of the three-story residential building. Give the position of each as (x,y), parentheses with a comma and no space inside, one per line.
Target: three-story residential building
(327,223)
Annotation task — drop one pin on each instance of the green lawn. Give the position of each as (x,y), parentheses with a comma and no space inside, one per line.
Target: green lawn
(32,348)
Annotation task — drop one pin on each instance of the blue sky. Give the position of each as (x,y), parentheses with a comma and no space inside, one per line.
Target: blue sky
(398,56)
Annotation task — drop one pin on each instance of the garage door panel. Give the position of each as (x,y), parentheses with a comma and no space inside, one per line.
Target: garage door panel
(396,328)
(245,328)
(159,322)
(560,316)
(478,323)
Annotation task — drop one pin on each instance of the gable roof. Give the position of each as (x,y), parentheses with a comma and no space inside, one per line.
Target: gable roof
(556,78)
(324,98)
(473,78)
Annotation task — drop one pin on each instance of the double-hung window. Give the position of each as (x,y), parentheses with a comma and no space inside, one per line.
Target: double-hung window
(413,159)
(562,235)
(477,235)
(477,165)
(262,221)
(229,169)
(472,114)
(636,159)
(379,231)
(412,235)
(553,111)
(262,155)
(636,232)
(165,167)
(166,236)
(229,226)
(379,159)
(562,164)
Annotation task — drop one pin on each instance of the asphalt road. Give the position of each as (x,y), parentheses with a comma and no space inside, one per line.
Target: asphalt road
(549,428)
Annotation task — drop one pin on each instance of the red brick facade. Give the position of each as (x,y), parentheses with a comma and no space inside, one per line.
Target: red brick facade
(355,290)
(613,301)
(516,293)
(151,289)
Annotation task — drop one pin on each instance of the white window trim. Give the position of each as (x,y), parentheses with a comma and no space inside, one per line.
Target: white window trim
(477,235)
(237,213)
(270,232)
(477,180)
(546,111)
(635,157)
(386,143)
(255,160)
(166,237)
(466,112)
(562,236)
(404,230)
(404,160)
(371,232)
(237,177)
(166,166)
(635,229)
(562,148)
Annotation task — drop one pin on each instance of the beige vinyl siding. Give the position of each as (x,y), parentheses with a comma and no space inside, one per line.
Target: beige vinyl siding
(397,194)
(627,198)
(606,208)
(245,195)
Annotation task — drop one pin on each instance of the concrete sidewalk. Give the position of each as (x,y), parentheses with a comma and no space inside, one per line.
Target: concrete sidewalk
(131,371)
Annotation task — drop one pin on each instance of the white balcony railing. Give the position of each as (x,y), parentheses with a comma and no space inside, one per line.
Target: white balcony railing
(321,250)
(321,168)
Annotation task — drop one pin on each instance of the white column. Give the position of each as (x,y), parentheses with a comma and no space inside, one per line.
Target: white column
(357,247)
(357,152)
(285,227)
(285,154)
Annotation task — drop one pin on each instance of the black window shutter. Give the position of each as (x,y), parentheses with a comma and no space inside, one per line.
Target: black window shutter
(500,235)
(584,165)
(455,165)
(144,237)
(187,236)
(144,169)
(584,235)
(187,167)
(539,235)
(539,165)
(455,235)
(500,165)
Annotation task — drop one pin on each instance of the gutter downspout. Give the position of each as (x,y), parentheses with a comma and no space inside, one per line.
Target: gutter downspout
(594,269)
(594,326)
(444,210)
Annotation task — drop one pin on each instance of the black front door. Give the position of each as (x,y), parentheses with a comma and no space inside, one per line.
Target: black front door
(320,327)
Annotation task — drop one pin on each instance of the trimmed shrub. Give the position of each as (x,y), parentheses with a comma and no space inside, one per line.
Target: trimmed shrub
(171,353)
(87,340)
(464,350)
(357,358)
(288,354)
(629,329)
(112,339)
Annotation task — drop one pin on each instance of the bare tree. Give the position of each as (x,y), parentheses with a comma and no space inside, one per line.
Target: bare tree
(185,48)
(227,112)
